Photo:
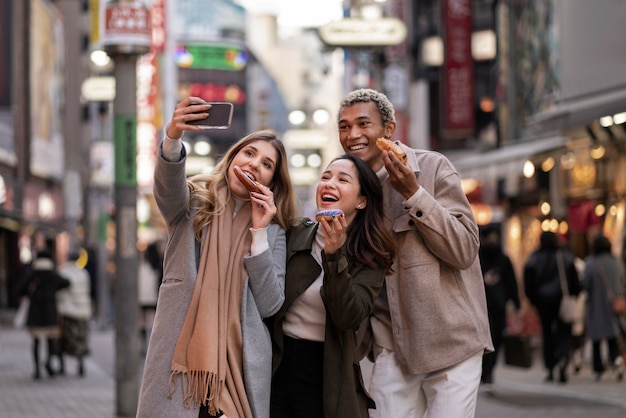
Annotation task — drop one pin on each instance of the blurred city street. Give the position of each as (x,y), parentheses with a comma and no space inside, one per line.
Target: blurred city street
(524,99)
(516,393)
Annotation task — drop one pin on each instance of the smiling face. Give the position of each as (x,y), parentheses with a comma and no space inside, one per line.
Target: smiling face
(258,160)
(360,125)
(339,188)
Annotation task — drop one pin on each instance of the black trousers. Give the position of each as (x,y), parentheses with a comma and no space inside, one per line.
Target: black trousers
(204,413)
(557,336)
(497,325)
(598,364)
(297,384)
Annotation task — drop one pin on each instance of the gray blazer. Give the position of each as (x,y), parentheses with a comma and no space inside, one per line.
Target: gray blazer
(262,297)
(600,320)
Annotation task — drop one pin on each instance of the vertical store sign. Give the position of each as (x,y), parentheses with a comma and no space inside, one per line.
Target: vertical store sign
(458,70)
(47,90)
(125,150)
(149,118)
(7,143)
(5,53)
(157,19)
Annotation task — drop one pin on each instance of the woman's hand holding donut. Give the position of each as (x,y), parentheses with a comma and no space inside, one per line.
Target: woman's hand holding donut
(263,207)
(334,232)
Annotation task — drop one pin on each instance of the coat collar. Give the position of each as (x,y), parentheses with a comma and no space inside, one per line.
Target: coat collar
(301,236)
(411,157)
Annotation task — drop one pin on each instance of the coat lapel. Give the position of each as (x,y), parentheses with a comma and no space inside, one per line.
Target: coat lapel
(302,269)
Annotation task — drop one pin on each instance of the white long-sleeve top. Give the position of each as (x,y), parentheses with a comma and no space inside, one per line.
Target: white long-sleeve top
(75,301)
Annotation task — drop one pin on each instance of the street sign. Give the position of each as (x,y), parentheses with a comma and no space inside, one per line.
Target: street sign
(98,89)
(352,32)
(126,28)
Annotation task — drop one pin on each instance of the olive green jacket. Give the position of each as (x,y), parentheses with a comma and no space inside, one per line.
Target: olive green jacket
(348,292)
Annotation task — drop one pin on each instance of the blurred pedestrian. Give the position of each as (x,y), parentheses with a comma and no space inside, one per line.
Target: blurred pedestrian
(603,277)
(75,308)
(500,288)
(430,325)
(579,328)
(149,280)
(41,286)
(224,267)
(154,257)
(543,286)
(335,270)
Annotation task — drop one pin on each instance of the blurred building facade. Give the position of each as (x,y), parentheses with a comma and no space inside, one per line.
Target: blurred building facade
(42,164)
(506,89)
(527,97)
(56,119)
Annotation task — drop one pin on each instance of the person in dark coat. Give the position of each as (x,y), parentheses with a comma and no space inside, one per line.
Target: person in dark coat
(542,285)
(602,269)
(500,288)
(335,270)
(41,286)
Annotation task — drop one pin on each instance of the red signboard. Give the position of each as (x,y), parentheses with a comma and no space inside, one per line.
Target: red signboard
(458,70)
(124,19)
(5,54)
(126,24)
(158,25)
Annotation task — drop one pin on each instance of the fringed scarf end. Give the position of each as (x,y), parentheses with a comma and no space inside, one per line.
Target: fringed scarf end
(200,388)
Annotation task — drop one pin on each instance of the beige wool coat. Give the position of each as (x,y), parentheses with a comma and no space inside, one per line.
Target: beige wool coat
(436,294)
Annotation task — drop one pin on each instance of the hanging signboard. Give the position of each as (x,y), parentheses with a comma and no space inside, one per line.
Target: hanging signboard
(126,28)
(457,70)
(354,32)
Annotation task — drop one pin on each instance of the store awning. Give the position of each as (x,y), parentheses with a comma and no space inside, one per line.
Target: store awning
(505,161)
(578,112)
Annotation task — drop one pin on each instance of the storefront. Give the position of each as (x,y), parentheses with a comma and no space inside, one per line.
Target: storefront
(30,219)
(9,229)
(573,184)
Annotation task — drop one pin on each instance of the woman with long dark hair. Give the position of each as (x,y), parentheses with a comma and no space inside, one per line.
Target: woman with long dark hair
(335,270)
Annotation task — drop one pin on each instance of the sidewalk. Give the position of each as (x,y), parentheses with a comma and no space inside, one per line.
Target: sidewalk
(94,395)
(67,396)
(581,386)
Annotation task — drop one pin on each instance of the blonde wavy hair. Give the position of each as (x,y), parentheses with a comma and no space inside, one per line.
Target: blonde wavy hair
(204,188)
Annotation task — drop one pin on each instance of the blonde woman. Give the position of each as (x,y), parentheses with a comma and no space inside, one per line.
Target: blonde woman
(223,272)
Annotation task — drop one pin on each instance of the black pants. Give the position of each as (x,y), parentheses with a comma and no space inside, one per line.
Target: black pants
(598,364)
(52,350)
(204,413)
(297,384)
(497,325)
(557,336)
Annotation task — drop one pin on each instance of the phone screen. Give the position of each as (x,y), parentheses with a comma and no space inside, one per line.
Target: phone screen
(220,116)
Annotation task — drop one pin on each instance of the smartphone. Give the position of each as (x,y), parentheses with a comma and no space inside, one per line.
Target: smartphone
(220,116)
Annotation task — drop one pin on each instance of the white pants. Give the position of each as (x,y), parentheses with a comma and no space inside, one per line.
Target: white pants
(446,393)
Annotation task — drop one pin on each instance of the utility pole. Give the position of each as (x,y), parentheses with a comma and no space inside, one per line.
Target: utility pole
(126,36)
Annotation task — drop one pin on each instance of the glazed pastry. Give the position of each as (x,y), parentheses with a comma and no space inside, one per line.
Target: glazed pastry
(250,184)
(388,145)
(329,214)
